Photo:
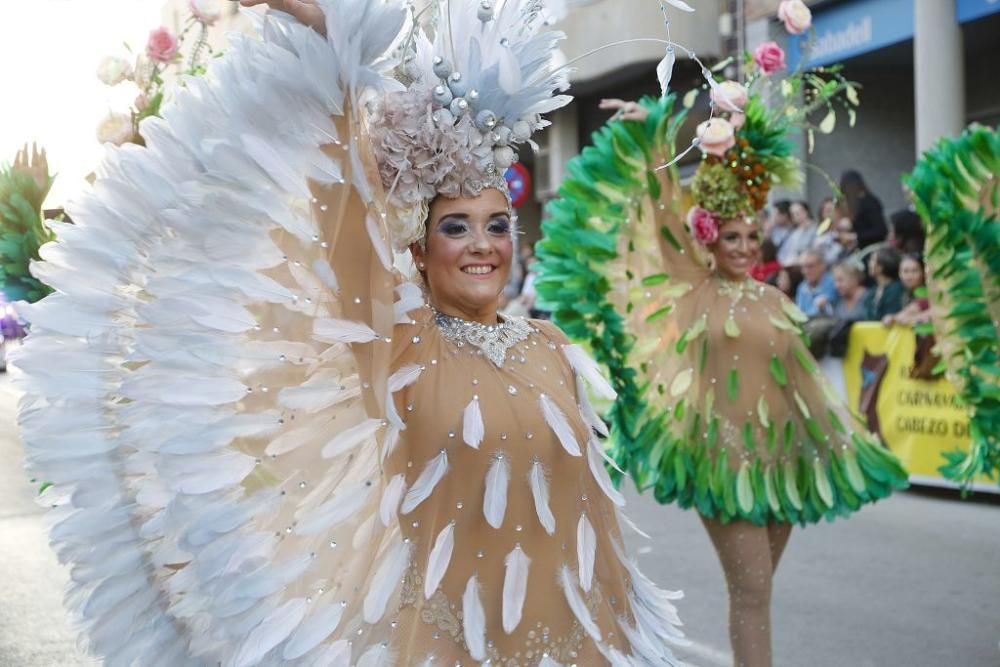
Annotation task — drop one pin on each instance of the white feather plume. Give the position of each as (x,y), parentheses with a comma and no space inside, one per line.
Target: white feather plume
(577,604)
(600,474)
(344,505)
(495,498)
(432,473)
(557,421)
(587,412)
(474,620)
(270,632)
(472,424)
(386,580)
(439,559)
(350,438)
(313,630)
(586,551)
(589,370)
(404,377)
(391,497)
(335,330)
(379,655)
(540,493)
(665,70)
(515,587)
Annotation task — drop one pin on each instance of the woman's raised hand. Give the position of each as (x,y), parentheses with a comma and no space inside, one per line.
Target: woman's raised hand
(306,11)
(626,110)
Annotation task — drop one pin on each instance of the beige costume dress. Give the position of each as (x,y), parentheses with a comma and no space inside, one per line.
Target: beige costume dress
(259,446)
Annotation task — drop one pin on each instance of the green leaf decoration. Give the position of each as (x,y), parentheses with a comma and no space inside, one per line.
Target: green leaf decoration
(660,314)
(957,192)
(690,97)
(744,492)
(793,312)
(829,122)
(852,95)
(22,231)
(733,384)
(770,491)
(654,280)
(835,421)
(805,359)
(801,404)
(822,480)
(782,324)
(777,369)
(730,328)
(854,475)
(791,485)
(681,382)
(762,415)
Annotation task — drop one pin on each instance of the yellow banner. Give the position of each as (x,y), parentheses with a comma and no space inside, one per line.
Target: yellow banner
(919,420)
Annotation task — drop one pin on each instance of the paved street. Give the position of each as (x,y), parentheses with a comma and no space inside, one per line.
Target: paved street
(911,582)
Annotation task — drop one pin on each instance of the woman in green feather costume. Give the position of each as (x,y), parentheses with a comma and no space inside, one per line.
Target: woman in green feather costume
(720,405)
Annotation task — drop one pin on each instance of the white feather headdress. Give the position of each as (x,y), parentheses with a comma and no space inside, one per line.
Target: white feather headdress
(478,76)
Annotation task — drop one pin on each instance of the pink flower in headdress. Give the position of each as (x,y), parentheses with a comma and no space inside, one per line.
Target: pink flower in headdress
(162,45)
(704,225)
(769,57)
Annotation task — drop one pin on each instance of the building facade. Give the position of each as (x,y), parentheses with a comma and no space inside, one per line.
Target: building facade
(924,69)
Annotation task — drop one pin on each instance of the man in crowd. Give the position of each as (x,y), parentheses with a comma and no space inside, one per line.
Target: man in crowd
(816,294)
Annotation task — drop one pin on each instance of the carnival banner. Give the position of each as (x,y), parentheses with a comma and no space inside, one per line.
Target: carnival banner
(919,419)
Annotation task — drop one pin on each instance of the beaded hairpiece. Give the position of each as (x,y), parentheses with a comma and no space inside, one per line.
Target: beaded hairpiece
(475,81)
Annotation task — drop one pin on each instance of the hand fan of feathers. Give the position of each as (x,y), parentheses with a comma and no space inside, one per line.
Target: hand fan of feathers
(958,196)
(211,441)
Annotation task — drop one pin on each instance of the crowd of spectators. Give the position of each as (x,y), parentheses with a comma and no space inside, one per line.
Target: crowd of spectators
(847,264)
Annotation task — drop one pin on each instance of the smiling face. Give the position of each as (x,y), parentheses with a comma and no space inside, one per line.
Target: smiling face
(911,273)
(466,262)
(737,249)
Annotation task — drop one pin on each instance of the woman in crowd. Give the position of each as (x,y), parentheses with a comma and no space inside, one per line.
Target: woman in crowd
(907,232)
(864,209)
(886,296)
(802,236)
(768,266)
(916,306)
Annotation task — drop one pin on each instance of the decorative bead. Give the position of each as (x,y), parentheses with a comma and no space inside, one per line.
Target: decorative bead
(512,390)
(416,339)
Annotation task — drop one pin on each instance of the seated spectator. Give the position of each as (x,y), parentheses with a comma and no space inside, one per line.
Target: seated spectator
(907,232)
(787,280)
(886,296)
(826,232)
(864,208)
(779,224)
(916,307)
(848,277)
(802,235)
(816,294)
(768,264)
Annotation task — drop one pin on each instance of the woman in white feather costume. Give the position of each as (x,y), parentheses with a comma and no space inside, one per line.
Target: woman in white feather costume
(264,447)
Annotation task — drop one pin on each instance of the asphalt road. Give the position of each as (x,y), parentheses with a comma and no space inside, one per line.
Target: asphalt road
(913,581)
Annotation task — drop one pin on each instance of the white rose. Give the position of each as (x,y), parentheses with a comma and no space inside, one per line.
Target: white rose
(795,15)
(206,11)
(730,96)
(115,128)
(112,70)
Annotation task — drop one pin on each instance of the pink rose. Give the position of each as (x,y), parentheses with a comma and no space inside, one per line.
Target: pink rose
(769,57)
(729,96)
(704,225)
(795,15)
(716,136)
(737,120)
(162,45)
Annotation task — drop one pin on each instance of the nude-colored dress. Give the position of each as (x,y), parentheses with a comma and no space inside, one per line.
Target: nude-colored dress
(254,438)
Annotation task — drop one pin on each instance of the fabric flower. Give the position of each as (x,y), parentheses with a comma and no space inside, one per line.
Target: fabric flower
(729,96)
(206,11)
(716,136)
(141,102)
(115,128)
(737,120)
(704,225)
(769,57)
(112,70)
(795,15)
(162,45)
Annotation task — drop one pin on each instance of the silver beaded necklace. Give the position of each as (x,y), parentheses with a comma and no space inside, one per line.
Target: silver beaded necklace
(493,339)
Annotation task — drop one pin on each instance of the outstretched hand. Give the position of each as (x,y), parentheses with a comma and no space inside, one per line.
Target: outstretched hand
(306,11)
(626,110)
